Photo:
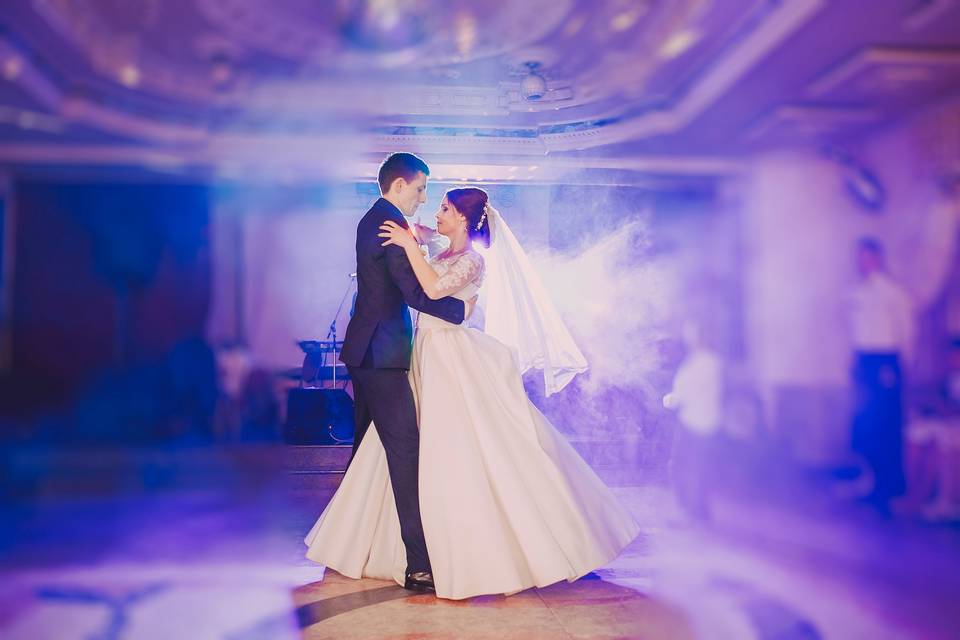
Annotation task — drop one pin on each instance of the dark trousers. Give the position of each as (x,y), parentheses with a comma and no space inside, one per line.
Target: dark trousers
(385,397)
(691,472)
(878,420)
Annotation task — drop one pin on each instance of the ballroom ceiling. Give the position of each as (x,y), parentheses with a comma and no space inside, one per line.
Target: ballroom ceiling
(301,88)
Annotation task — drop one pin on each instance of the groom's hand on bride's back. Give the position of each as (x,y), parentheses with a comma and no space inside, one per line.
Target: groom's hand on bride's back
(468,306)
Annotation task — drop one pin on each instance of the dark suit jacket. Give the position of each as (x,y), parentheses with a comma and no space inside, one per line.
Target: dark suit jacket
(380,333)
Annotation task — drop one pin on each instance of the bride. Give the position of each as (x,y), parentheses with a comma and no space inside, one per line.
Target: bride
(506,502)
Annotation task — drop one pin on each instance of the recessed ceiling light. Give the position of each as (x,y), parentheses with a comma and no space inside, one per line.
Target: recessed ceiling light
(678,43)
(12,67)
(625,20)
(130,75)
(466,33)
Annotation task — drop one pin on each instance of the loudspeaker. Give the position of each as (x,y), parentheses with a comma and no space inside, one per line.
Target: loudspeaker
(319,416)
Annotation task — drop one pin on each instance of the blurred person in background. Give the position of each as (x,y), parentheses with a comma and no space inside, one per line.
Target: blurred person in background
(697,396)
(882,328)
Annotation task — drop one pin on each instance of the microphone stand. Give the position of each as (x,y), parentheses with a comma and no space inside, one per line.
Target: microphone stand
(332,333)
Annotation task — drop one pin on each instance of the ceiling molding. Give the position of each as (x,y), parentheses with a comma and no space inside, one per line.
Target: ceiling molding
(807,123)
(601,91)
(927,12)
(246,157)
(86,112)
(19,69)
(782,22)
(868,59)
(268,27)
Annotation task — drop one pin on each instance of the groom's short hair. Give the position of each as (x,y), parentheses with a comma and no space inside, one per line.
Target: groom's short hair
(400,165)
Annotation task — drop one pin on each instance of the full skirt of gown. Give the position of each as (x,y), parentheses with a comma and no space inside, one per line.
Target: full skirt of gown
(506,502)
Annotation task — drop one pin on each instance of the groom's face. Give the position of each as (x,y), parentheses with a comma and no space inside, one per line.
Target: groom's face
(412,194)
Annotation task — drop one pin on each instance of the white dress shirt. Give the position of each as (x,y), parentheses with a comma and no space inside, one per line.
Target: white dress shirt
(697,392)
(881,316)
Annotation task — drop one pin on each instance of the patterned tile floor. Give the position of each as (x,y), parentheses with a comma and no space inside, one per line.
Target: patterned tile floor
(228,562)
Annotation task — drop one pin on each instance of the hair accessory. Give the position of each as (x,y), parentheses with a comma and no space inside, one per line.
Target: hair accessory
(483,216)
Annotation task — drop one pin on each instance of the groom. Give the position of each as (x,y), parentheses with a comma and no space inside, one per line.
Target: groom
(378,345)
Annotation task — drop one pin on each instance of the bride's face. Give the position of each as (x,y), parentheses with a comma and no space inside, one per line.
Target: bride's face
(449,220)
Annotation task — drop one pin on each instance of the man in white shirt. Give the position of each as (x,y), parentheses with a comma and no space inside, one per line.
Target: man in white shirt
(697,395)
(881,318)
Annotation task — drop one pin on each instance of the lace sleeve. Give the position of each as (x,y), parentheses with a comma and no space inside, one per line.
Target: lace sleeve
(464,270)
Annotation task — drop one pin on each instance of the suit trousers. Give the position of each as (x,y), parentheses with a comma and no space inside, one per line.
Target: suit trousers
(384,397)
(878,419)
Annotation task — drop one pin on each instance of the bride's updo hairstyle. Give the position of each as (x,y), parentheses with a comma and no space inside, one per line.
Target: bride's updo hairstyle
(472,205)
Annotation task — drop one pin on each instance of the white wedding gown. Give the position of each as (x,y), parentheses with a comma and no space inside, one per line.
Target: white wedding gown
(507,504)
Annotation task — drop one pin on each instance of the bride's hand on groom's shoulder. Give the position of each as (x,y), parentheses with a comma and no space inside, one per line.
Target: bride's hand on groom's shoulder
(395,234)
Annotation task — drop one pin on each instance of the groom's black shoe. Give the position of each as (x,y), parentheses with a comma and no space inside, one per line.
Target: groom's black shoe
(420,581)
